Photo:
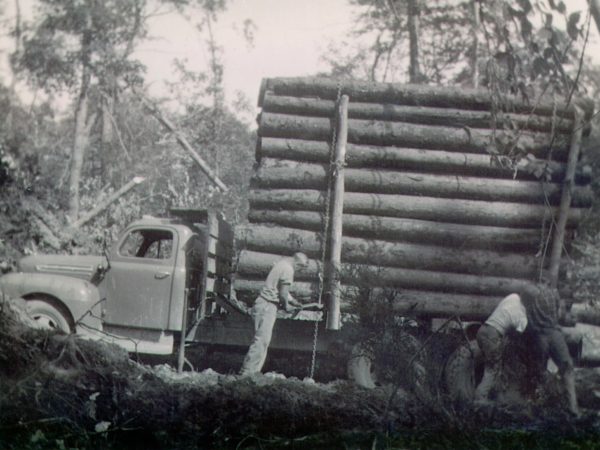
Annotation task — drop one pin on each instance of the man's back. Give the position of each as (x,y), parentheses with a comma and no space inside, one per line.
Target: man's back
(281,273)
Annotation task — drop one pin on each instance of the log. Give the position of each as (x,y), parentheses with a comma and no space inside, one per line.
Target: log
(282,241)
(373,132)
(568,198)
(181,139)
(334,249)
(105,203)
(410,230)
(286,174)
(452,117)
(256,265)
(407,94)
(584,313)
(472,212)
(409,303)
(426,160)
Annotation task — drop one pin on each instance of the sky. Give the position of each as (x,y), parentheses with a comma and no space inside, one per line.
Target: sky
(289,40)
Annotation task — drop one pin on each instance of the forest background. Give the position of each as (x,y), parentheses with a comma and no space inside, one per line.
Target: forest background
(76,140)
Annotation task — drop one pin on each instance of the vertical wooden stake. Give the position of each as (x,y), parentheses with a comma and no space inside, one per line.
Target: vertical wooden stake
(337,209)
(181,353)
(565,200)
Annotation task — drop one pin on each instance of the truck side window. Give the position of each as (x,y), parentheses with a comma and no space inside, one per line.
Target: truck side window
(154,244)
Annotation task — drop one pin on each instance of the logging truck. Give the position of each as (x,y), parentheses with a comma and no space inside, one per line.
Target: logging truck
(454,198)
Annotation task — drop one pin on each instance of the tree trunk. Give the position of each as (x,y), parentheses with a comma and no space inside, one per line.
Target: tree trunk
(410,230)
(475,55)
(456,163)
(413,135)
(455,117)
(414,71)
(401,94)
(80,141)
(285,174)
(374,276)
(405,302)
(471,212)
(595,9)
(420,256)
(108,155)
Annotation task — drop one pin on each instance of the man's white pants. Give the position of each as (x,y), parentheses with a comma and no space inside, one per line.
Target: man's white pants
(264,314)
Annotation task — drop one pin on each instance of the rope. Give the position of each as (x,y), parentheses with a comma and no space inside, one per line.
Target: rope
(326,219)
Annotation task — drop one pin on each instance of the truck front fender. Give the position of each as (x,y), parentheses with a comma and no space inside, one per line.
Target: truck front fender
(81,298)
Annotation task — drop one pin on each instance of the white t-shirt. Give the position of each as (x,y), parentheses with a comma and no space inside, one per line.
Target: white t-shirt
(510,313)
(282,273)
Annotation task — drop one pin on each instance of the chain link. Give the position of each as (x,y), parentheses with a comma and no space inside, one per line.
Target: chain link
(333,168)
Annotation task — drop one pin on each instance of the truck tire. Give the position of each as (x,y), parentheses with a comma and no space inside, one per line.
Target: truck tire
(361,368)
(462,371)
(47,316)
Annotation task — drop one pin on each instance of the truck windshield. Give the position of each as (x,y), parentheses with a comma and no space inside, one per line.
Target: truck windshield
(154,244)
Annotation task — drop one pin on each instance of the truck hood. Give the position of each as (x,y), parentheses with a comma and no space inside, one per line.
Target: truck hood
(67,265)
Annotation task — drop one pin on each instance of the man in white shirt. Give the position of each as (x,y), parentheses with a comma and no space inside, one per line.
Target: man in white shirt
(509,315)
(275,293)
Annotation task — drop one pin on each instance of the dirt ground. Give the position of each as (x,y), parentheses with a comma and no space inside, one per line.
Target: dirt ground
(59,392)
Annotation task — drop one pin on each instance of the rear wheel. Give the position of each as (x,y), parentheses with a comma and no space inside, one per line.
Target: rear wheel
(47,316)
(463,372)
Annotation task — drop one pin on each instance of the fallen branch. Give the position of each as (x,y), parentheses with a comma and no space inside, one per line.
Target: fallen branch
(182,141)
(107,202)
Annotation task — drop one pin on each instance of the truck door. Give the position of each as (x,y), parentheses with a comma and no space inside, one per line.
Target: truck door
(139,282)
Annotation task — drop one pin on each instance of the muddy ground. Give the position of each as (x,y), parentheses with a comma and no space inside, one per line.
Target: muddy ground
(60,391)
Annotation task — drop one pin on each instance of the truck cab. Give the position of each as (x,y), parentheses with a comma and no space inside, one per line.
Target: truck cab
(154,283)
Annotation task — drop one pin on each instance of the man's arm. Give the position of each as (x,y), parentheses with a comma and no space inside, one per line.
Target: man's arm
(286,300)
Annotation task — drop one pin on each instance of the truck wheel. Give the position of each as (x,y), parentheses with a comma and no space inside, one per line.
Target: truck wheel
(462,371)
(360,367)
(47,316)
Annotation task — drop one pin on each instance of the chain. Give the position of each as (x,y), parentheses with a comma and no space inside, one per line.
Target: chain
(332,168)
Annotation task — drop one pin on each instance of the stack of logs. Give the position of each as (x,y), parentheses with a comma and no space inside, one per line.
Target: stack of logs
(434,206)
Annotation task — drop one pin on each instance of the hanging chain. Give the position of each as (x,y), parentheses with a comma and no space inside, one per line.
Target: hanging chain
(332,168)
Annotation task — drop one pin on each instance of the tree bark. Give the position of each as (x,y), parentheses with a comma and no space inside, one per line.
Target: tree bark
(421,256)
(412,135)
(402,94)
(335,232)
(595,10)
(80,142)
(567,198)
(285,174)
(256,265)
(183,142)
(410,230)
(455,117)
(439,161)
(471,212)
(101,206)
(414,71)
(406,302)
(475,54)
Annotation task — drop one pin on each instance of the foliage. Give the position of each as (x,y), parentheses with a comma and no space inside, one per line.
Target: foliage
(122,140)
(73,36)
